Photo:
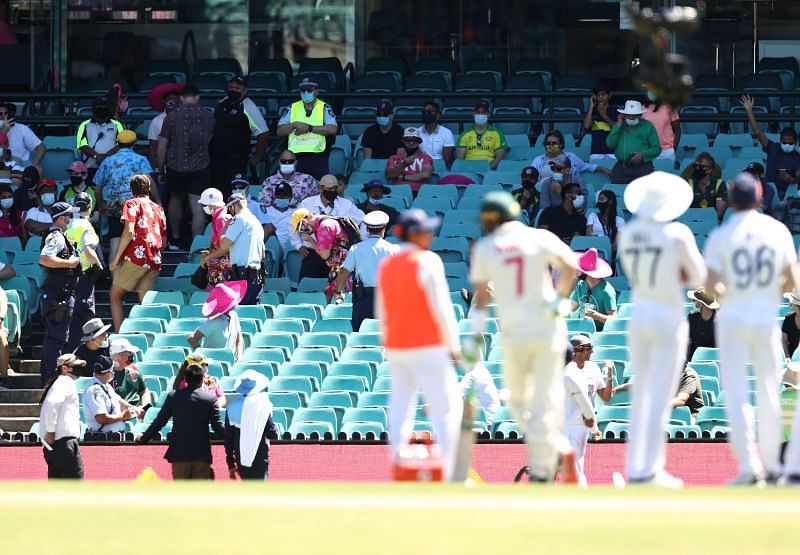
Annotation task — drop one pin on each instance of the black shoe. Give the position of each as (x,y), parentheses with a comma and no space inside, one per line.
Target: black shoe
(791,480)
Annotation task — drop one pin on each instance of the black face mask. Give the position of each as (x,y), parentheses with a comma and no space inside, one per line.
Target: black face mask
(75,180)
(411,151)
(100,113)
(528,185)
(428,117)
(698,174)
(602,205)
(330,196)
(234,96)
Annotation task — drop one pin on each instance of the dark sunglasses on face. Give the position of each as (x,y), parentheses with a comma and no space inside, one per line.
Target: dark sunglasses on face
(552,144)
(307,89)
(292,161)
(383,114)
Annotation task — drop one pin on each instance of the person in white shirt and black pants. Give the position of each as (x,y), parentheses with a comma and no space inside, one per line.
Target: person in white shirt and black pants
(60,422)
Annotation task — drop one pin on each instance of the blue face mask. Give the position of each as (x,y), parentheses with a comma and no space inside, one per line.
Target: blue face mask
(787,147)
(632,122)
(481,119)
(48,199)
(7,203)
(558,176)
(281,202)
(383,121)
(307,96)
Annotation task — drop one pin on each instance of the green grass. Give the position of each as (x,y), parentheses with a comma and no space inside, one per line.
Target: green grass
(111,518)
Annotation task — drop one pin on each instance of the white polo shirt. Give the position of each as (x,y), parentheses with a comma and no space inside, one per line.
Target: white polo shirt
(21,141)
(434,143)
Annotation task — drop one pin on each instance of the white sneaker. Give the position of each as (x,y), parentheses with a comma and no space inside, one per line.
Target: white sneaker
(661,479)
(748,479)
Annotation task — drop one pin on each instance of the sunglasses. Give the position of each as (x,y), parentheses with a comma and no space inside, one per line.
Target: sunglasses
(292,161)
(383,114)
(552,144)
(584,348)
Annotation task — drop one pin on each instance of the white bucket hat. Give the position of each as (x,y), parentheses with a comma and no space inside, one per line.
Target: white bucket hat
(211,196)
(632,108)
(660,196)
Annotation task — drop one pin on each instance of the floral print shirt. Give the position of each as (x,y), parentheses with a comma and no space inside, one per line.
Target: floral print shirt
(149,229)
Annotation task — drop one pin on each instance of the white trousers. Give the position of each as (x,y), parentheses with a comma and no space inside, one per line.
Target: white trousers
(658,338)
(739,342)
(534,378)
(577,437)
(667,153)
(431,370)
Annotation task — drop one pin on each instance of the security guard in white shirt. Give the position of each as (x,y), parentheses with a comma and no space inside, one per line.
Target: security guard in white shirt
(60,421)
(362,264)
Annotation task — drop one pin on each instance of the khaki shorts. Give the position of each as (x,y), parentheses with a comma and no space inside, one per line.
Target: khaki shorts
(132,277)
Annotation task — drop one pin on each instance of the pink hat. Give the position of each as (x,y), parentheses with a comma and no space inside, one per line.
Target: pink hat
(224,297)
(77,167)
(593,266)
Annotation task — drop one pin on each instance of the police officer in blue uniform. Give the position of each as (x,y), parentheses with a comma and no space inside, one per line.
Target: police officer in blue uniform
(103,409)
(362,265)
(62,268)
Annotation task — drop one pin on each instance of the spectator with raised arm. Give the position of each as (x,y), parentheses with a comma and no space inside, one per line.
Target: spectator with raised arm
(599,120)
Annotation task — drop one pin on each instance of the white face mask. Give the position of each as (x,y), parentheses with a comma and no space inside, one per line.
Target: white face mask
(579,201)
(287,169)
(632,122)
(208,210)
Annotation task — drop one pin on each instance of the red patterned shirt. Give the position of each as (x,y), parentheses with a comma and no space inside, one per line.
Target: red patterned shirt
(149,229)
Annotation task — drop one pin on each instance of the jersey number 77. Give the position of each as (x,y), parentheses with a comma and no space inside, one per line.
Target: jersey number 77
(644,264)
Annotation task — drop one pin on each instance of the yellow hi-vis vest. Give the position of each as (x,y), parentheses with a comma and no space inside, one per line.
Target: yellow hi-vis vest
(307,142)
(75,235)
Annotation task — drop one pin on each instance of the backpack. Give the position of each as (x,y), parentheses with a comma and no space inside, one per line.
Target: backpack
(351,228)
(791,215)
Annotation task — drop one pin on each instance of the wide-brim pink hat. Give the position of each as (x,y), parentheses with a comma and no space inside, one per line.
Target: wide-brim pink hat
(155,98)
(592,265)
(224,297)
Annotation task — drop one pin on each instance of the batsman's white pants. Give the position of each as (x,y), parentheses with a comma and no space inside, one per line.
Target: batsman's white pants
(657,338)
(533,365)
(431,370)
(577,437)
(741,341)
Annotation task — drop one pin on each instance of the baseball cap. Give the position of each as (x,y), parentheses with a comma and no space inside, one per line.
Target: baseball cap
(482,104)
(239,80)
(308,82)
(530,171)
(77,167)
(283,188)
(755,168)
(82,201)
(240,179)
(411,133)
(122,345)
(30,178)
(104,365)
(385,107)
(234,198)
(499,205)
(211,196)
(60,209)
(568,353)
(560,160)
(375,183)
(126,137)
(47,182)
(580,340)
(70,360)
(329,180)
(415,219)
(298,216)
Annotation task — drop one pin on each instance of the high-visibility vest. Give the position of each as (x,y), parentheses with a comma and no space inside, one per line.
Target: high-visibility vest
(409,321)
(75,235)
(307,142)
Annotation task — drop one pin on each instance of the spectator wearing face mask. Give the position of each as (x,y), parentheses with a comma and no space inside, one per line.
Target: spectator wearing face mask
(483,141)
(527,195)
(561,171)
(97,136)
(375,191)
(10,216)
(710,190)
(553,147)
(303,185)
(38,219)
(437,140)
(278,216)
(565,220)
(78,183)
(385,137)
(635,143)
(415,168)
(95,342)
(213,203)
(783,160)
(23,142)
(604,222)
(236,119)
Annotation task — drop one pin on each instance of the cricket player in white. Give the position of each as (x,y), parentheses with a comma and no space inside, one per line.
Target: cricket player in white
(660,258)
(751,260)
(582,379)
(517,260)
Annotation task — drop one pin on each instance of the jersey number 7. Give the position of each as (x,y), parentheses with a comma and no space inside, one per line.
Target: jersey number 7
(519,262)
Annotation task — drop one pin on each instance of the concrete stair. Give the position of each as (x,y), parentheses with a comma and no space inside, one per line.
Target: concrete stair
(19,404)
